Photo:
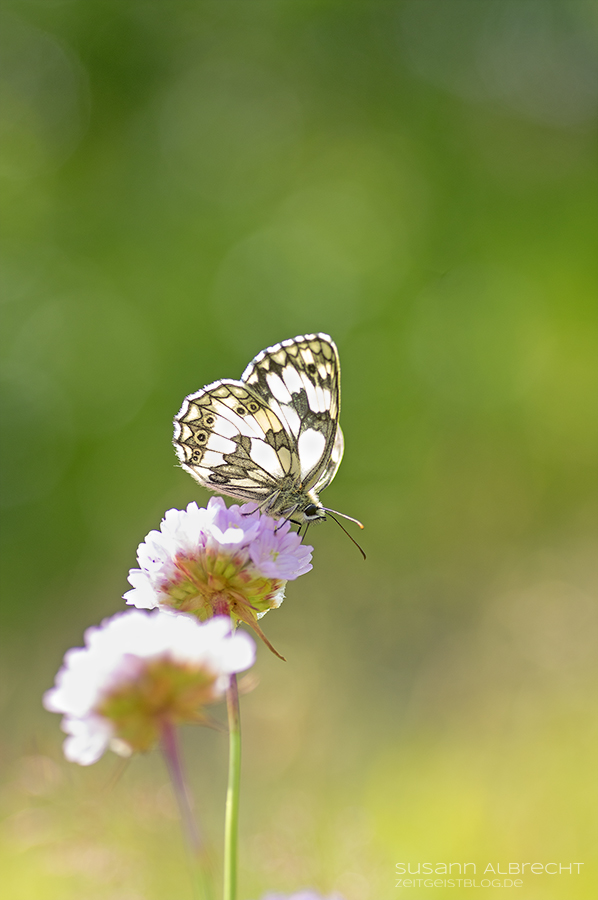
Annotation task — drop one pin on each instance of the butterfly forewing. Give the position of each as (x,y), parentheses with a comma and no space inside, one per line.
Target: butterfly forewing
(333,463)
(299,378)
(273,436)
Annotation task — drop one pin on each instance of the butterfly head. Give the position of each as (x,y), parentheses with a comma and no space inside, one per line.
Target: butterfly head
(313,512)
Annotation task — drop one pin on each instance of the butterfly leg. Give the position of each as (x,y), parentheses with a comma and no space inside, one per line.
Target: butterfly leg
(288,518)
(251,512)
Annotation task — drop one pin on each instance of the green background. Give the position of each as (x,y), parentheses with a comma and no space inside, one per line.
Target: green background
(186,183)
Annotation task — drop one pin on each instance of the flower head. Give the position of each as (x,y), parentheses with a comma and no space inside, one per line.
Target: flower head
(218,560)
(139,671)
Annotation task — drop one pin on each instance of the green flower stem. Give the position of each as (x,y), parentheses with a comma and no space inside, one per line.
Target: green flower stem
(232,795)
(198,860)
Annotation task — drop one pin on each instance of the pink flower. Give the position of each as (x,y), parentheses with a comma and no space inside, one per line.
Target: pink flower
(218,560)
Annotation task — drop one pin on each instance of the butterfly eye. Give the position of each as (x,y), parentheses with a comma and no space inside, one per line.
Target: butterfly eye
(241,411)
(310,510)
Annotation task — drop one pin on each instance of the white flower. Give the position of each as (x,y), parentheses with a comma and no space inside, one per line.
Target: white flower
(140,669)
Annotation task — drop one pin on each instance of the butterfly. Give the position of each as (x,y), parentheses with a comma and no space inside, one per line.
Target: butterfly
(273,437)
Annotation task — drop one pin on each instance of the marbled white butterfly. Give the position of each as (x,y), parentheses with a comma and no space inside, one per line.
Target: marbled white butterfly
(273,437)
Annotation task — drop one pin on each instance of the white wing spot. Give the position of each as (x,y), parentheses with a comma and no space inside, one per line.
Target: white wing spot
(286,414)
(225,428)
(266,457)
(277,386)
(293,420)
(292,379)
(211,458)
(312,397)
(221,444)
(311,446)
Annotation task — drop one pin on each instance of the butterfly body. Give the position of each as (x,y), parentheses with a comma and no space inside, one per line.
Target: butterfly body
(273,436)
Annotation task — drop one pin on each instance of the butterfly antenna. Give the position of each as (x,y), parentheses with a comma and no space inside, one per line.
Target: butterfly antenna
(350,536)
(337,513)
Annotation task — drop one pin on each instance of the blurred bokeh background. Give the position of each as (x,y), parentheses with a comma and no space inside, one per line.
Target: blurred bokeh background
(185,183)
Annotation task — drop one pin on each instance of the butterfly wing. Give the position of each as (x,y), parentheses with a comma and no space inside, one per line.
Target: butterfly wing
(333,463)
(299,380)
(231,441)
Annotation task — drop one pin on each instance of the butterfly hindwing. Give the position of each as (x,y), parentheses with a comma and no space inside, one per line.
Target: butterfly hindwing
(230,441)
